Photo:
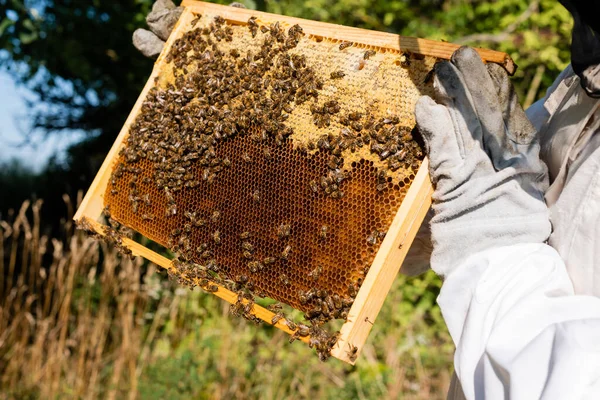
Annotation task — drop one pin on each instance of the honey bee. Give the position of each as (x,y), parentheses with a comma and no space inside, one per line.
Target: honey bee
(313,186)
(337,75)
(313,313)
(246,158)
(286,252)
(276,318)
(303,330)
(148,217)
(247,246)
(284,231)
(315,273)
(284,279)
(216,237)
(373,237)
(253,26)
(368,54)
(405,59)
(352,353)
(264,29)
(345,45)
(256,196)
(253,267)
(269,260)
(171,210)
(215,216)
(245,235)
(267,153)
(212,288)
(324,232)
(247,255)
(290,324)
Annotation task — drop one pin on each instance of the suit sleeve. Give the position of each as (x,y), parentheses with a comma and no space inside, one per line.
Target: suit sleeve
(519,330)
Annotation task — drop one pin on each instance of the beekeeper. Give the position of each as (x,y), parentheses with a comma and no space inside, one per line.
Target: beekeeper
(517,240)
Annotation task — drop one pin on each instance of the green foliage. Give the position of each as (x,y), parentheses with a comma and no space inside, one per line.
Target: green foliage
(206,354)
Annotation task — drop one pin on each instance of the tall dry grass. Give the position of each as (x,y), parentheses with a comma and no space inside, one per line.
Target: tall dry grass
(78,321)
(76,326)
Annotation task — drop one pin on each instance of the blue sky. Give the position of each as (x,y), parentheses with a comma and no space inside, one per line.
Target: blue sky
(13,125)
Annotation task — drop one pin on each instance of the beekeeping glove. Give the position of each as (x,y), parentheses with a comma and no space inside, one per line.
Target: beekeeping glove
(484,162)
(161,20)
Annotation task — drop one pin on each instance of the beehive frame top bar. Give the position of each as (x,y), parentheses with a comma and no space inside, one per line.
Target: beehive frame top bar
(424,47)
(404,226)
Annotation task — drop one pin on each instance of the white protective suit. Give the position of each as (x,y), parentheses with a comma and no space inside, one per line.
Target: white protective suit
(526,318)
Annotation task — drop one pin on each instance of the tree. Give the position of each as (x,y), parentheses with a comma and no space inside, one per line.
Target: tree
(78,58)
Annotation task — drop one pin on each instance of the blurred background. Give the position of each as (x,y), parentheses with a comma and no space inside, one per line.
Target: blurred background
(77,321)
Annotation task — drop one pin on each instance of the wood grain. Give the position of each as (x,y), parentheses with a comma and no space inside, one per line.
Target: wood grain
(346,33)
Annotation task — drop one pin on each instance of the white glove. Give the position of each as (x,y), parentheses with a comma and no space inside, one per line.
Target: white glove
(484,162)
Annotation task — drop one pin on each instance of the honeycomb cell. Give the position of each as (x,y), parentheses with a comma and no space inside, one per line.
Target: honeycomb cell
(245,149)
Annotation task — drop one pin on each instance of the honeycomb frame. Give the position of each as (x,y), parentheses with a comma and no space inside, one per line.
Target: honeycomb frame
(405,224)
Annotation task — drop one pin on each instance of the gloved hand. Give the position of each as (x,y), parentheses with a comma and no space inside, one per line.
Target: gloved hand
(161,20)
(484,162)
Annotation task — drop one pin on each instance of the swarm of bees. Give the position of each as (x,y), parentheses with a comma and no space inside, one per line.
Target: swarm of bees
(216,96)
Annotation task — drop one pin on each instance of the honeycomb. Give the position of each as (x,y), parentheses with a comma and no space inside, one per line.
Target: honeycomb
(275,159)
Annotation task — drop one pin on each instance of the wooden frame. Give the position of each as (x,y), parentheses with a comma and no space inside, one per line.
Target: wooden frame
(404,227)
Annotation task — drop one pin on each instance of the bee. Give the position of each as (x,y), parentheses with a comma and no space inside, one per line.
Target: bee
(253,26)
(313,186)
(212,288)
(246,158)
(256,196)
(247,246)
(324,232)
(267,153)
(345,45)
(352,353)
(252,266)
(148,217)
(264,29)
(381,187)
(303,330)
(247,255)
(357,126)
(199,222)
(215,216)
(315,273)
(290,324)
(269,260)
(368,54)
(286,252)
(276,318)
(337,75)
(284,231)
(226,162)
(245,235)
(190,215)
(373,237)
(405,59)
(313,313)
(171,210)
(146,199)
(337,301)
(216,237)
(284,279)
